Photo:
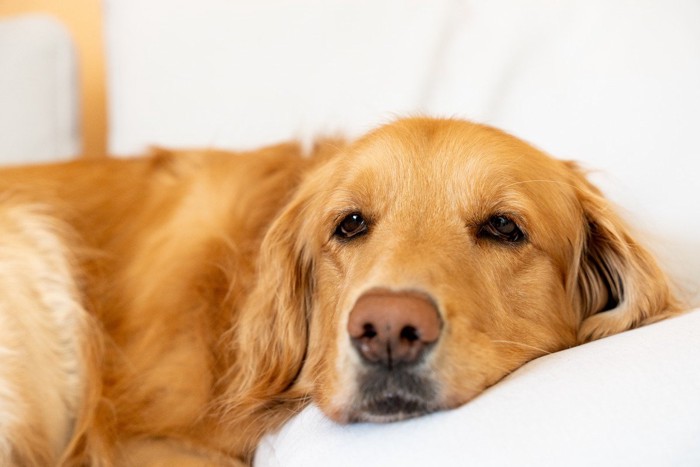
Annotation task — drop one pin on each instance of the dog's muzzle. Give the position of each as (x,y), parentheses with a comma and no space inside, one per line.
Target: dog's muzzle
(393,332)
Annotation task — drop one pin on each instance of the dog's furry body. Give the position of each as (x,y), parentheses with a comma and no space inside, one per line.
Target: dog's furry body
(167,309)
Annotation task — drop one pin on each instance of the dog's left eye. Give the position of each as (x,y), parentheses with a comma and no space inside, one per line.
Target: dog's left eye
(352,225)
(502,228)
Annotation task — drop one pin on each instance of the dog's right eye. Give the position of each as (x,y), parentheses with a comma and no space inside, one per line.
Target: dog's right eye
(503,229)
(352,225)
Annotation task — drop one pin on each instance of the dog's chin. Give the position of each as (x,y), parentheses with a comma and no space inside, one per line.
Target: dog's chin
(390,408)
(384,397)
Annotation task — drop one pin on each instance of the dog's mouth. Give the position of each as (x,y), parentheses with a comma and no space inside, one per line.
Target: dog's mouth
(389,396)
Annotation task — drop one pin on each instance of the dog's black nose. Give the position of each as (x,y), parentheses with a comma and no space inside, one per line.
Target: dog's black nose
(393,328)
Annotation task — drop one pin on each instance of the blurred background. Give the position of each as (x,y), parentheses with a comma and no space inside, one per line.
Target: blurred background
(611,83)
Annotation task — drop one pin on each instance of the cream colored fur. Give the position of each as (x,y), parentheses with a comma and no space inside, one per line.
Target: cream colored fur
(42,328)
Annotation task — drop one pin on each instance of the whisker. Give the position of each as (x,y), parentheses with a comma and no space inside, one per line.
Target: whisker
(521,344)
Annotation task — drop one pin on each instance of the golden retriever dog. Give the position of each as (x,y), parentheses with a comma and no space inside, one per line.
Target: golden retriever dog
(172,309)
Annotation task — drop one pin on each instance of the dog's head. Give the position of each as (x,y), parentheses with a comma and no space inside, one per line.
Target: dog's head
(428,260)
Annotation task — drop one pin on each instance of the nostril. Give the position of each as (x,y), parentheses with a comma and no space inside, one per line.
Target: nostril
(409,333)
(369,331)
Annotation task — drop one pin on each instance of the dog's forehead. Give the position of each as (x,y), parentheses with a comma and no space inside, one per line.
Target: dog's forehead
(451,156)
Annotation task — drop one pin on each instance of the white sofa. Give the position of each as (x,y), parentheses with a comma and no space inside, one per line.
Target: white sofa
(611,83)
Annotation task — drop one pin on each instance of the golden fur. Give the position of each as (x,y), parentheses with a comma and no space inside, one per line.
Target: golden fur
(218,296)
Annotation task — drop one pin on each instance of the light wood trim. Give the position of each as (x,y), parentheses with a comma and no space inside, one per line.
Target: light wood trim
(83,19)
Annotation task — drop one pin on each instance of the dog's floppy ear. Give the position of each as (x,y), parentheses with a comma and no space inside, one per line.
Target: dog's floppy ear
(270,336)
(619,285)
(272,332)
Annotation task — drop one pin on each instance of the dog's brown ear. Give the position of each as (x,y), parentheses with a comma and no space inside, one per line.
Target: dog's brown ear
(272,331)
(270,334)
(619,285)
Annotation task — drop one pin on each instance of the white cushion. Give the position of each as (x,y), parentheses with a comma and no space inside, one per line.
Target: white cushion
(628,400)
(38,91)
(246,74)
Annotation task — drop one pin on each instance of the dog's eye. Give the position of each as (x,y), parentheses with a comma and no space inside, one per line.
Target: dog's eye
(352,225)
(502,228)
